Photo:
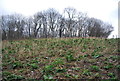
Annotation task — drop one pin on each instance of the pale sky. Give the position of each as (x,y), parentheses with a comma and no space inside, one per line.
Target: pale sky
(106,10)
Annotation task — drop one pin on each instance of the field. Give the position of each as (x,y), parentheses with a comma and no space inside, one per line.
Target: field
(61,58)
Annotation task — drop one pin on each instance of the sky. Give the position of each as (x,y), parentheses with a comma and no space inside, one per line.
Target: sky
(105,10)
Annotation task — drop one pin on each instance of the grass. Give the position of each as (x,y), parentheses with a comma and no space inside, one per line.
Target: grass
(61,58)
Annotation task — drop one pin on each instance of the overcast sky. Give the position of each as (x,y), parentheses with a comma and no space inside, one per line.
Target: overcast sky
(106,10)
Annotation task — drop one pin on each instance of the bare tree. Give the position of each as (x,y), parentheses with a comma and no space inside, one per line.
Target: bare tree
(52,20)
(19,24)
(12,26)
(108,28)
(44,28)
(61,26)
(51,23)
(28,29)
(37,23)
(4,26)
(82,24)
(97,28)
(70,15)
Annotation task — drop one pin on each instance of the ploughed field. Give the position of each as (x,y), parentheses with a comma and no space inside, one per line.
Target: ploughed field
(61,58)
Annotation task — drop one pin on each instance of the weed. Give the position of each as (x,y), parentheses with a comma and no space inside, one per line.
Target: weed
(50,51)
(3,50)
(70,57)
(97,55)
(17,64)
(47,77)
(86,55)
(75,76)
(81,56)
(7,76)
(15,77)
(86,72)
(95,51)
(95,68)
(83,50)
(48,69)
(118,50)
(62,55)
(57,61)
(21,70)
(33,66)
(118,67)
(111,75)
(113,57)
(68,75)
(10,51)
(97,75)
(34,61)
(77,69)
(85,46)
(108,67)
(6,73)
(60,70)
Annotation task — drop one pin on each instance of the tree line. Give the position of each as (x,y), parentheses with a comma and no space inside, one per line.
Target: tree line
(50,23)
